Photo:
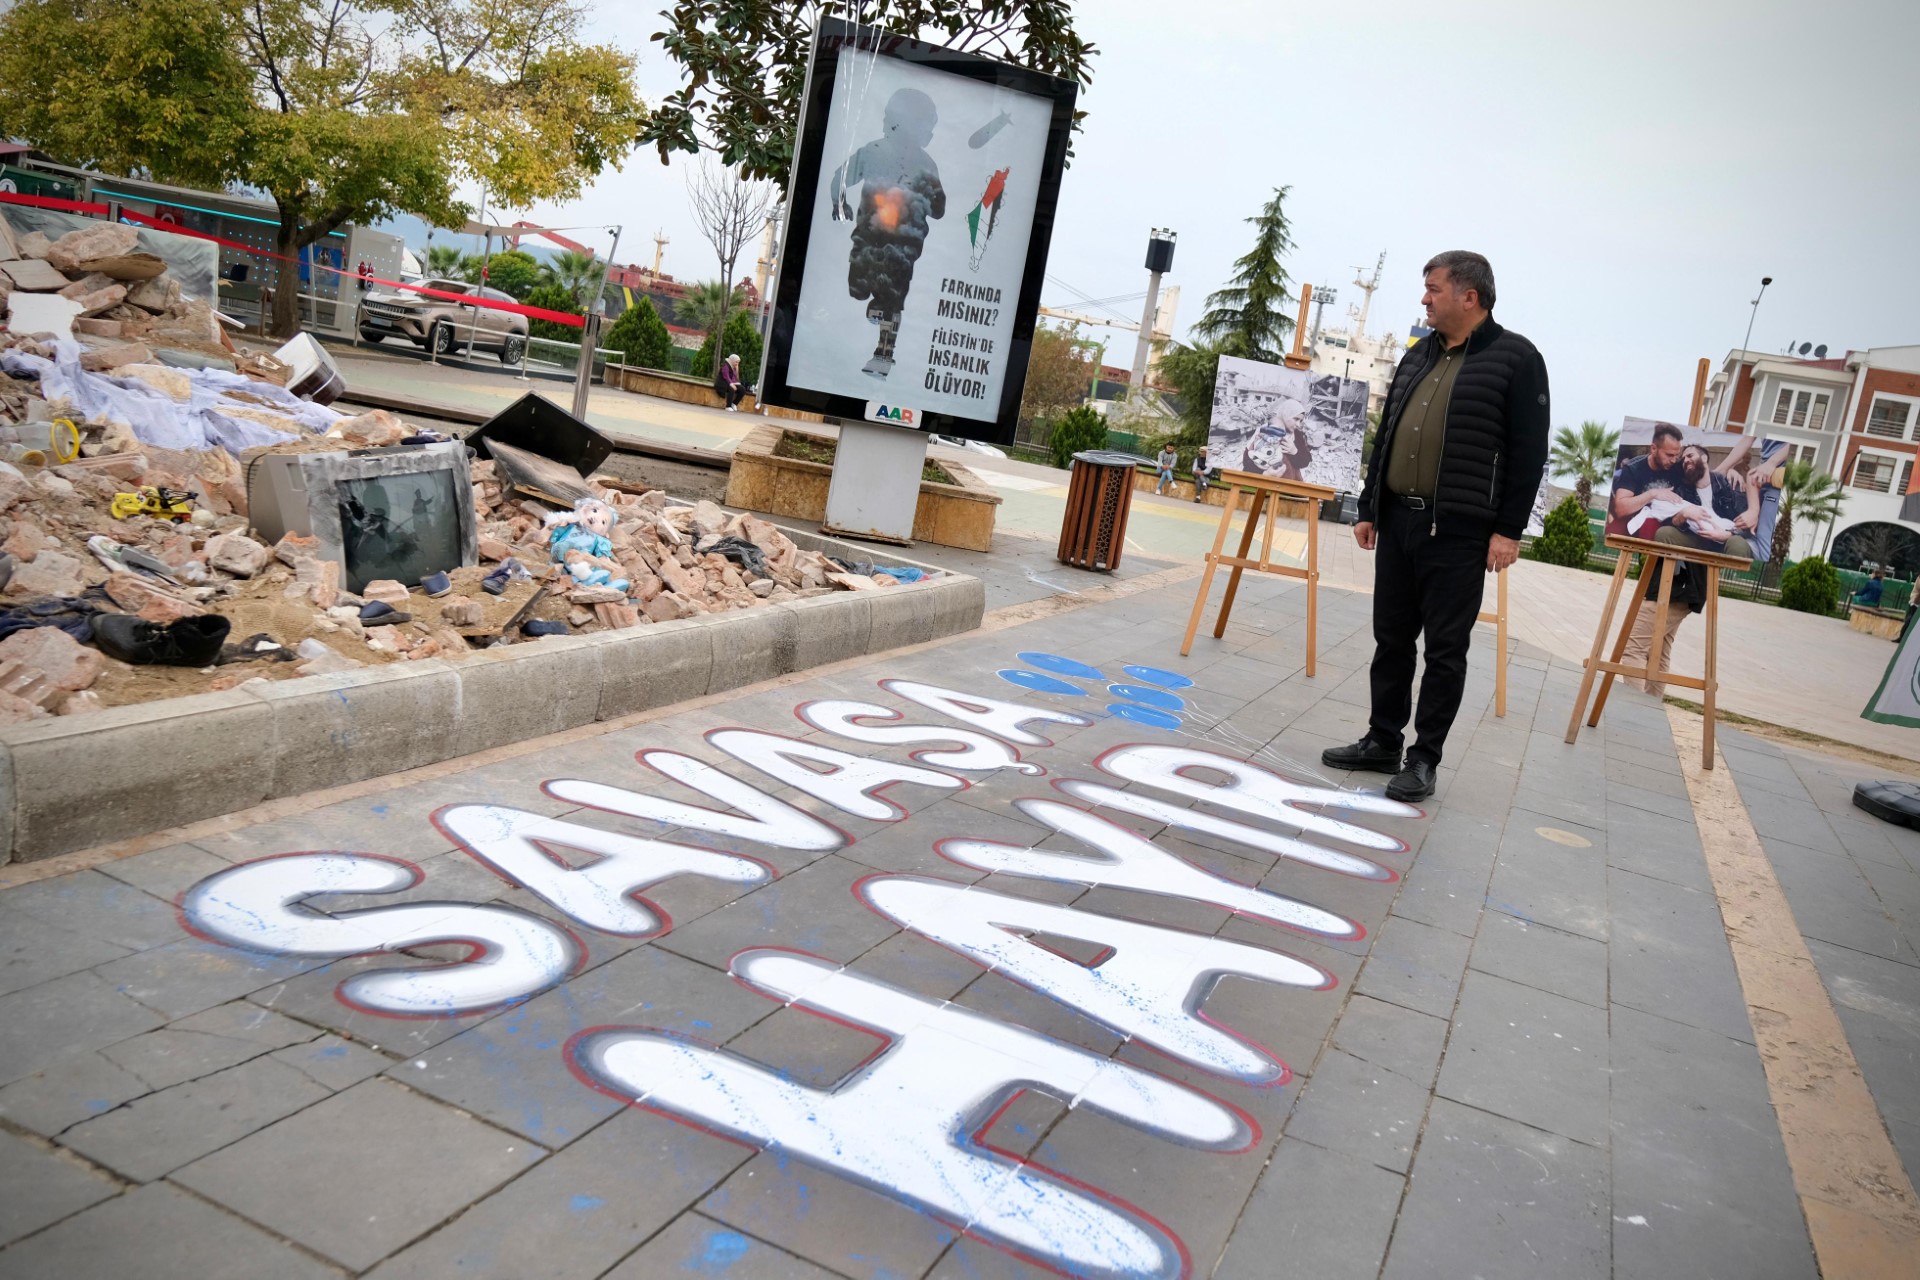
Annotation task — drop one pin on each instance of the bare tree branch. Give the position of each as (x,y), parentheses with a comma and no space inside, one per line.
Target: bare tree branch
(731,211)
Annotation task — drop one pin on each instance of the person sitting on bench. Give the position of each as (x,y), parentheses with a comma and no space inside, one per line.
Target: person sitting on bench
(726,381)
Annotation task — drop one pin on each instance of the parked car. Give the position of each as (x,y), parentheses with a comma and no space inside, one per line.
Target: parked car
(440,325)
(971,446)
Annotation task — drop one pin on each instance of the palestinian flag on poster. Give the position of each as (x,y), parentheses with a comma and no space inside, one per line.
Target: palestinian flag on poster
(988,205)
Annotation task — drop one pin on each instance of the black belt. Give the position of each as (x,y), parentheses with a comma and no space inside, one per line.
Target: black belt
(1412,503)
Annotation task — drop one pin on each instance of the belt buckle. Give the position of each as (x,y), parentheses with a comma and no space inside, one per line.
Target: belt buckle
(1416,504)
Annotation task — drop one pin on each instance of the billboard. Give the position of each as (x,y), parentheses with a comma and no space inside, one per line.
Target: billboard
(922,203)
(1711,490)
(1290,423)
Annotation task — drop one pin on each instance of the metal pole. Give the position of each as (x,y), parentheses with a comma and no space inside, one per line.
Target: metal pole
(1764,282)
(583,374)
(1137,381)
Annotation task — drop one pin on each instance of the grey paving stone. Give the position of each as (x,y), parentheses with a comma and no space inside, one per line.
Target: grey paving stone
(1530,1056)
(192,974)
(79,1088)
(97,906)
(1670,956)
(812,910)
(1541,881)
(33,951)
(582,1210)
(1492,1198)
(312,997)
(1415,965)
(1536,955)
(693,1244)
(826,1219)
(1389,1036)
(167,872)
(1700,1175)
(1360,1109)
(63,1019)
(1784,817)
(315,1178)
(330,1061)
(1869,839)
(1315,1213)
(1833,901)
(39,1187)
(512,1069)
(159,1232)
(912,963)
(1650,844)
(154,1135)
(223,1036)
(1679,808)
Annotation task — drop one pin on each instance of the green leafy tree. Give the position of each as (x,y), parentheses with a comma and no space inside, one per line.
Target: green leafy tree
(515,271)
(1077,430)
(552,297)
(444,262)
(1808,494)
(572,271)
(347,111)
(740,338)
(1192,371)
(743,67)
(707,307)
(1585,456)
(1060,372)
(1810,586)
(1567,536)
(1249,317)
(642,335)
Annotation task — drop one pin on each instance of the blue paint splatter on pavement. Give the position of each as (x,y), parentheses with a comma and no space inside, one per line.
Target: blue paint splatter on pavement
(1147,697)
(1041,684)
(703,1024)
(1157,675)
(584,1204)
(724,1248)
(1144,715)
(97,1105)
(1060,666)
(332,1051)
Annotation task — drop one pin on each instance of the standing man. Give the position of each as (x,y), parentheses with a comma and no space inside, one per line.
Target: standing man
(1454,471)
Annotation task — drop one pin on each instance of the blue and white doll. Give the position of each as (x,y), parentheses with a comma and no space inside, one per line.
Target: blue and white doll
(579,540)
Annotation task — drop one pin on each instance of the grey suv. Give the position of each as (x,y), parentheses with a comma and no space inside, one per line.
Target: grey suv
(440,326)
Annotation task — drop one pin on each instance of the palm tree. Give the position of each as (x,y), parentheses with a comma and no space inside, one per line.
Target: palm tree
(1809,494)
(572,271)
(443,261)
(470,268)
(1586,455)
(707,307)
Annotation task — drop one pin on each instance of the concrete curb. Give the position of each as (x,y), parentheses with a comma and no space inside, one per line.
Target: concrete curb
(75,782)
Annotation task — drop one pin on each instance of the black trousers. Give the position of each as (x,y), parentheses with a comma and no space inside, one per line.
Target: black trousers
(1428,583)
(733,394)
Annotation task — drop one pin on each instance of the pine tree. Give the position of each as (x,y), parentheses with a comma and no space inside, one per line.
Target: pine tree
(642,336)
(1249,317)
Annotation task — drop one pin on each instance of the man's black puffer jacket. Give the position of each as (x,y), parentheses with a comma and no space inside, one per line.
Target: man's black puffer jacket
(1495,447)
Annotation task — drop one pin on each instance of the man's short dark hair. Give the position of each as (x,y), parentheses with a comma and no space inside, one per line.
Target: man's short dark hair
(1664,430)
(1467,270)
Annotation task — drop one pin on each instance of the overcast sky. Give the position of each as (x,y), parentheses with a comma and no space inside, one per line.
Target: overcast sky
(1632,168)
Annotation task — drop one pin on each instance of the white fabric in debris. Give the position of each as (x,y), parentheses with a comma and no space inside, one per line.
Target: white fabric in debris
(210,417)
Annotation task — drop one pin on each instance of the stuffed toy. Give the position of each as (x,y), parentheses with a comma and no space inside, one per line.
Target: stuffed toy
(579,541)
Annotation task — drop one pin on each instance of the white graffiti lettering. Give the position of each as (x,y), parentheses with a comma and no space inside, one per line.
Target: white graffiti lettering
(1128,861)
(257,906)
(980,751)
(1001,719)
(761,817)
(850,781)
(908,1122)
(1256,791)
(1150,986)
(604,894)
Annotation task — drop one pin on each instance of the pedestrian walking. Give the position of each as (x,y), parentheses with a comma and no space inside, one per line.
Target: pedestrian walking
(1455,468)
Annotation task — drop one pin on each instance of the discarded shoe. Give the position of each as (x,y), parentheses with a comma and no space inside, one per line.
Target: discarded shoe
(544,627)
(190,642)
(257,646)
(436,584)
(508,571)
(378,613)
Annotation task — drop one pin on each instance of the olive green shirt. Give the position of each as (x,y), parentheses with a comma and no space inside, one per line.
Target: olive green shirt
(1413,467)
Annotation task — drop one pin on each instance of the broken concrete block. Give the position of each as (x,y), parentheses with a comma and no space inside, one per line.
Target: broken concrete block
(26,542)
(580,617)
(761,588)
(47,313)
(94,327)
(97,240)
(157,294)
(64,661)
(33,245)
(33,686)
(129,267)
(33,276)
(14,488)
(708,518)
(101,359)
(293,548)
(237,554)
(92,282)
(596,595)
(146,598)
(79,704)
(853,581)
(92,304)
(18,710)
(494,549)
(616,617)
(388,591)
(463,613)
(52,573)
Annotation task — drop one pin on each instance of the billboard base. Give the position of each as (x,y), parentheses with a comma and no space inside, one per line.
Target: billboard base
(876,483)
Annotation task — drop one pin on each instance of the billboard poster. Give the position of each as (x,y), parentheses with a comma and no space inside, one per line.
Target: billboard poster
(1710,490)
(922,202)
(1290,423)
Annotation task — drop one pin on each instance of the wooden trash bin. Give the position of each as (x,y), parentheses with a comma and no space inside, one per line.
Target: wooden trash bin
(1093,532)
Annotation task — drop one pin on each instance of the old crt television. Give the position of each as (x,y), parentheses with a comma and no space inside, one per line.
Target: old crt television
(399,513)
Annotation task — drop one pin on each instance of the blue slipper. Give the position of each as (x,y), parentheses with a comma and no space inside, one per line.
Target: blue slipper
(544,627)
(436,584)
(378,613)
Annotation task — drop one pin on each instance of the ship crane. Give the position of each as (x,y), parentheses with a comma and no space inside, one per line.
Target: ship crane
(1366,285)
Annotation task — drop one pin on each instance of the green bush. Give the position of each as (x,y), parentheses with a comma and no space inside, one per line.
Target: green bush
(1567,537)
(553,297)
(1810,586)
(513,271)
(741,337)
(1075,431)
(641,336)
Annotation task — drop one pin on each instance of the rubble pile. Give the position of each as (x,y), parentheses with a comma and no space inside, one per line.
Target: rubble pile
(107,518)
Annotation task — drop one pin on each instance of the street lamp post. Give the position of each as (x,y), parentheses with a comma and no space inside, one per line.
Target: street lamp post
(1764,282)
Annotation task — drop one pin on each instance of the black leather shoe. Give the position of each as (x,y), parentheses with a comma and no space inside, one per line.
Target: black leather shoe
(189,642)
(1364,754)
(1415,782)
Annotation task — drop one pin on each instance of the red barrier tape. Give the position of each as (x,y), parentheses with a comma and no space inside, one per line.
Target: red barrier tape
(147,220)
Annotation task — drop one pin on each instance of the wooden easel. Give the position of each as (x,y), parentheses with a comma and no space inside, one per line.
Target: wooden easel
(1708,683)
(1499,620)
(1266,492)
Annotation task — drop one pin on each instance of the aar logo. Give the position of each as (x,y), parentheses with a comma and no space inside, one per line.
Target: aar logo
(1147,698)
(893,415)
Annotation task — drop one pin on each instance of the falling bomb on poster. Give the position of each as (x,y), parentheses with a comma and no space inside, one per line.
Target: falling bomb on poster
(1288,423)
(923,193)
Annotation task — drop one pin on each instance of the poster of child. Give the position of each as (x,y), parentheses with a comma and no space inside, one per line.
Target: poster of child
(1288,423)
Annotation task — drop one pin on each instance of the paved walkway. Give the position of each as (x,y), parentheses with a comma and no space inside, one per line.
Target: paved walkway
(1104,983)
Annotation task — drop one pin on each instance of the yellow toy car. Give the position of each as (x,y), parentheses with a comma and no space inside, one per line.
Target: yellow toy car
(157,501)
